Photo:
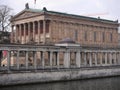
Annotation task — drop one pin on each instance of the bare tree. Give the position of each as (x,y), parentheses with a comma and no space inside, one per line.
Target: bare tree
(5,14)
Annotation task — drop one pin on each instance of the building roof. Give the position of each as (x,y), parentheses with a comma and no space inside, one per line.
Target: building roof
(71,15)
(67,40)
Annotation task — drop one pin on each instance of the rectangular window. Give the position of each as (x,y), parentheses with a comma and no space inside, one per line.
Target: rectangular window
(103,36)
(85,35)
(111,37)
(76,35)
(95,37)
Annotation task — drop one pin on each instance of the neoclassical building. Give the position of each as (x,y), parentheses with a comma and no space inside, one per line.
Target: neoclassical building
(48,27)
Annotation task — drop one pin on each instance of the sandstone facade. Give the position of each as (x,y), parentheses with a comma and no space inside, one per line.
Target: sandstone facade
(48,27)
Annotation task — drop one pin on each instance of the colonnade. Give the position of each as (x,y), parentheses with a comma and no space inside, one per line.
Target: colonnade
(30,31)
(62,58)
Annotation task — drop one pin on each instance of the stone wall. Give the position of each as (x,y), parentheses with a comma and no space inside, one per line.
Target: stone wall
(51,76)
(84,33)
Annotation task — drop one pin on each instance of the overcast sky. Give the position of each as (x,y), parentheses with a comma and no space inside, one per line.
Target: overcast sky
(107,9)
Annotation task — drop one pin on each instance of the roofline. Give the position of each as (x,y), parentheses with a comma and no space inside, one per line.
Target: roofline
(29,10)
(82,17)
(66,14)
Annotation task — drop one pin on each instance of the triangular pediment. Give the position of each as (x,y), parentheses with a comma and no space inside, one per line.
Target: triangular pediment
(26,14)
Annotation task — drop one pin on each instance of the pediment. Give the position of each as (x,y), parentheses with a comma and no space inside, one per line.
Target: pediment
(25,14)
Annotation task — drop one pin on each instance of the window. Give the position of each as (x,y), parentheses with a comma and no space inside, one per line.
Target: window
(103,36)
(111,37)
(85,35)
(76,35)
(95,37)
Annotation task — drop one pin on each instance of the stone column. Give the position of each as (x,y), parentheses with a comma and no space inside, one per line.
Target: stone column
(51,57)
(16,33)
(95,59)
(26,59)
(67,59)
(35,60)
(54,59)
(29,31)
(43,59)
(24,33)
(118,58)
(78,59)
(44,31)
(58,60)
(106,58)
(0,58)
(101,58)
(111,58)
(17,59)
(20,33)
(38,32)
(85,59)
(33,31)
(8,60)
(12,34)
(115,58)
(90,53)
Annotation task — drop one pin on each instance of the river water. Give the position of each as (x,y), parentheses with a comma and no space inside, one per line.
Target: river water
(91,84)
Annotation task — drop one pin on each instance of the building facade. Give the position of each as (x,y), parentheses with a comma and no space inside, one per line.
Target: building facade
(48,27)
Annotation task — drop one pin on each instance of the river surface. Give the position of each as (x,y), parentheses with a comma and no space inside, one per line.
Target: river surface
(91,84)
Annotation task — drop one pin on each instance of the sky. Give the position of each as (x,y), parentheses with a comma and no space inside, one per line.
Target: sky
(105,9)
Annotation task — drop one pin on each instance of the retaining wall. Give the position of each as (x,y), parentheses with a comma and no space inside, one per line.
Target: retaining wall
(60,75)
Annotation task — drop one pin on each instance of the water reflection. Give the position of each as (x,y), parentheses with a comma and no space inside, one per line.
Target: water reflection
(92,84)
